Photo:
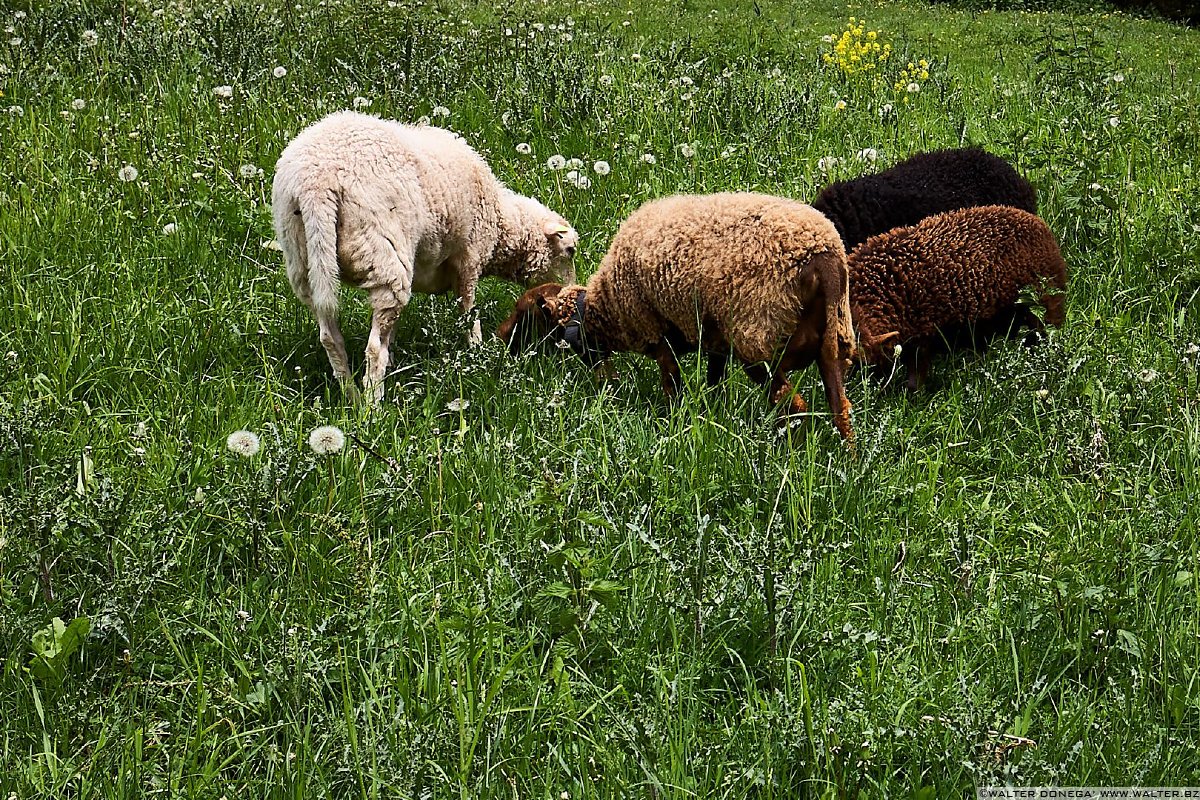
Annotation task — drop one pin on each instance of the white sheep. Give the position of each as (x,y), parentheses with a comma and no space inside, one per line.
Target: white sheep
(395,209)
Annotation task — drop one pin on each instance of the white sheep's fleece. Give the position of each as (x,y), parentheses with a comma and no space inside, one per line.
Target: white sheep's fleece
(392,209)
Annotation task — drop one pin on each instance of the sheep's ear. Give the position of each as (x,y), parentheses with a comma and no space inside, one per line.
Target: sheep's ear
(555,228)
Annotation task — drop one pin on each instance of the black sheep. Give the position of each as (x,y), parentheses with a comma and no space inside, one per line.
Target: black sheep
(920,186)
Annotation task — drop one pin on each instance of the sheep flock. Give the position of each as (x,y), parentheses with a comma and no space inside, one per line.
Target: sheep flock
(935,254)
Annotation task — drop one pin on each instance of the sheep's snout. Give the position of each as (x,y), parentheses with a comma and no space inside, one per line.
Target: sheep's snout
(531,319)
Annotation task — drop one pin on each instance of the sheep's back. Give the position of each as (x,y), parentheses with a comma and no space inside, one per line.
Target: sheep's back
(921,186)
(733,260)
(424,182)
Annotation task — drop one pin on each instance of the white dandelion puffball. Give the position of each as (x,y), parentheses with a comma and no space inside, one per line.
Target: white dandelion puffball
(574,163)
(885,109)
(422,121)
(169,229)
(223,92)
(458,404)
(840,105)
(79,104)
(686,150)
(89,38)
(602,168)
(440,111)
(913,88)
(868,154)
(556,162)
(1147,376)
(16,111)
(827,38)
(573,177)
(648,158)
(1118,78)
(247,170)
(360,102)
(127,173)
(524,148)
(606,80)
(1114,122)
(279,72)
(826,163)
(242,443)
(326,440)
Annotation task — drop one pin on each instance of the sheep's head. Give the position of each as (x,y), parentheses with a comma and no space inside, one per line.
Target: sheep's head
(537,245)
(532,319)
(561,243)
(878,348)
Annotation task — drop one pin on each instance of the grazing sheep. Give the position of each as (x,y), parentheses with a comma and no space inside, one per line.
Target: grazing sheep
(762,278)
(395,209)
(953,279)
(925,184)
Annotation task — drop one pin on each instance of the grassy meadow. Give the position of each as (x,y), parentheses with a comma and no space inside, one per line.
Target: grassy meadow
(518,580)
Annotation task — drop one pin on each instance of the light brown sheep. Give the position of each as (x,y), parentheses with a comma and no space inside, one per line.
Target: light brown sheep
(953,280)
(758,277)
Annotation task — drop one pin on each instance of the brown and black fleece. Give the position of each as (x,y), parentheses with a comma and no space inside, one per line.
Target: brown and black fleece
(953,279)
(757,277)
(920,186)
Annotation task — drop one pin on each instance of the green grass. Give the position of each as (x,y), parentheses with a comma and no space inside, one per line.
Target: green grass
(567,586)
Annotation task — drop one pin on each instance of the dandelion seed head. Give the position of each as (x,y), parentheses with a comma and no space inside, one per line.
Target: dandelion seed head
(16,111)
(556,162)
(686,150)
(1147,376)
(224,92)
(326,440)
(913,88)
(89,38)
(602,168)
(868,154)
(440,111)
(169,229)
(574,163)
(242,443)
(279,72)
(826,163)
(248,170)
(127,173)
(606,80)
(840,105)
(78,104)
(1114,122)
(648,158)
(360,102)
(458,404)
(524,148)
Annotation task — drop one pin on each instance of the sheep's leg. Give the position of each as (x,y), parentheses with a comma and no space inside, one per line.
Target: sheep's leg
(466,294)
(777,385)
(669,367)
(335,348)
(833,378)
(717,363)
(379,343)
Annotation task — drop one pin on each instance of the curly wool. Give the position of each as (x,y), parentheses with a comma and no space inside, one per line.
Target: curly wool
(921,285)
(395,209)
(920,186)
(735,265)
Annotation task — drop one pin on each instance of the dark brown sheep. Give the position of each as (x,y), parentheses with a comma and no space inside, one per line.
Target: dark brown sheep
(757,277)
(953,279)
(920,186)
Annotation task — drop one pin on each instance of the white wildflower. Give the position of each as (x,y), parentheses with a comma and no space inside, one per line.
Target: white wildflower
(1114,122)
(422,120)
(648,158)
(602,168)
(127,173)
(248,170)
(79,104)
(360,102)
(826,163)
(458,404)
(868,154)
(440,111)
(169,229)
(524,149)
(1042,393)
(897,350)
(686,150)
(224,92)
(16,111)
(1118,78)
(89,38)
(242,443)
(1147,376)
(279,72)
(326,440)
(556,162)
(913,88)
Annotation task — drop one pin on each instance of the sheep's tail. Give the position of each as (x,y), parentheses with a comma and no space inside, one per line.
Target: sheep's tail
(306,225)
